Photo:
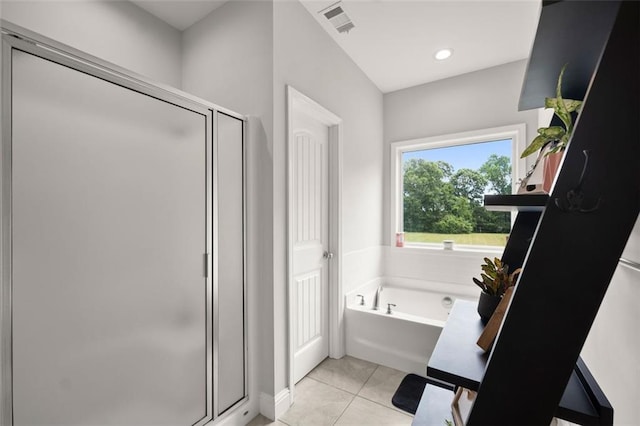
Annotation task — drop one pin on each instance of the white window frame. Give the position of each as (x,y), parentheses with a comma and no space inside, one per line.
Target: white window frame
(516,132)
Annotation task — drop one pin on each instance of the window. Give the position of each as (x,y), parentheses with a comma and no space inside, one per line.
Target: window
(439,184)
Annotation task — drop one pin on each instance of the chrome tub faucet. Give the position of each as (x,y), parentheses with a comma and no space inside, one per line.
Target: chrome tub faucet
(376,299)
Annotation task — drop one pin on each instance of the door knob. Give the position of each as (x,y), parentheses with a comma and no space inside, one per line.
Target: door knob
(327,255)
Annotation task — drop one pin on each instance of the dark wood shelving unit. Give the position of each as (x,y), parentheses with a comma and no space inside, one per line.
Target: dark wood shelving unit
(568,242)
(521,203)
(435,407)
(457,359)
(529,208)
(567,34)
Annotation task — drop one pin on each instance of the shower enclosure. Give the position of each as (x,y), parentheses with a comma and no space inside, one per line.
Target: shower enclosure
(122,245)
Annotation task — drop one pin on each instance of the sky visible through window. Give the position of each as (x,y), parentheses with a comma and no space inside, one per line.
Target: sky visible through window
(452,210)
(470,156)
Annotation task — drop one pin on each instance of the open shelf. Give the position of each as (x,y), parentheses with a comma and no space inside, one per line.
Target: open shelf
(434,407)
(522,203)
(457,359)
(572,33)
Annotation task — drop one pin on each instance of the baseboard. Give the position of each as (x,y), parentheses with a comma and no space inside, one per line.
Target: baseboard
(282,402)
(240,415)
(274,407)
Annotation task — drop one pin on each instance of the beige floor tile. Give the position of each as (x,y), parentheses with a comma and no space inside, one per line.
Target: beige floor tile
(261,420)
(381,386)
(364,412)
(316,403)
(346,373)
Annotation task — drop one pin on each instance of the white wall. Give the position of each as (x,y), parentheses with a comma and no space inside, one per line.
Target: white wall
(612,349)
(228,57)
(233,56)
(314,65)
(306,58)
(478,100)
(115,31)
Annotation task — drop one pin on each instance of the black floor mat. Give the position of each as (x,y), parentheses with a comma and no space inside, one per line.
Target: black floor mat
(408,394)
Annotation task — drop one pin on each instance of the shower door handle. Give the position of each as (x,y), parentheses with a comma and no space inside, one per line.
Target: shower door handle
(327,255)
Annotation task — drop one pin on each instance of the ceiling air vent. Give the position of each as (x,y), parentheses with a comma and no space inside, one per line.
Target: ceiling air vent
(335,14)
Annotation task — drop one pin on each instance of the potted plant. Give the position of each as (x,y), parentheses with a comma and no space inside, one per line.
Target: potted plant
(496,279)
(552,141)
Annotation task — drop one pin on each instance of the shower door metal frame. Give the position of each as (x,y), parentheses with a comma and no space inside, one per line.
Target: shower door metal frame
(216,247)
(15,37)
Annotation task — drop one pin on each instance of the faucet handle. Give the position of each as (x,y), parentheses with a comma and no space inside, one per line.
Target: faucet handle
(361,298)
(389,305)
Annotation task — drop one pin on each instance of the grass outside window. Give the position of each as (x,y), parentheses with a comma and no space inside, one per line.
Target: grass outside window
(480,239)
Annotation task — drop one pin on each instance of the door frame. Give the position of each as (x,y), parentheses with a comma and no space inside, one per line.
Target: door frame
(297,101)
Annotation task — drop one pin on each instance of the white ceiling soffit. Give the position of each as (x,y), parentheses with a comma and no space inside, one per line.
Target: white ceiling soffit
(180,14)
(394,41)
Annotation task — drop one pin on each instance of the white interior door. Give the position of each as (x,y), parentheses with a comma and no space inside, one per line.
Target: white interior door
(109,232)
(310,223)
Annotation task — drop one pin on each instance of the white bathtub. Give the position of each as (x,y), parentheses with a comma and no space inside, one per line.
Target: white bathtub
(405,339)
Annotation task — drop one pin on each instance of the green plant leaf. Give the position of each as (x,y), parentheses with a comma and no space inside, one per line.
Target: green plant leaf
(480,284)
(559,147)
(570,104)
(495,277)
(553,132)
(487,279)
(535,145)
(492,285)
(489,270)
(488,265)
(563,109)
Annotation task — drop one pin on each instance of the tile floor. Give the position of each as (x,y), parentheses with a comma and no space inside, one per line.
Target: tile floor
(346,391)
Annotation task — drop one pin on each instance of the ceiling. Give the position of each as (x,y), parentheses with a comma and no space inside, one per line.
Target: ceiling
(394,41)
(180,14)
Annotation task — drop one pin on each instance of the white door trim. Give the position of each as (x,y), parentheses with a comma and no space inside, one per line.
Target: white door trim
(297,100)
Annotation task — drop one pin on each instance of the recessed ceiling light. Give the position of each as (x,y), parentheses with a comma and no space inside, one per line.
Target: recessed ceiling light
(443,54)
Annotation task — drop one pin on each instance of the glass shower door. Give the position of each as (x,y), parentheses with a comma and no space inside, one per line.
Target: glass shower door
(229,291)
(111,303)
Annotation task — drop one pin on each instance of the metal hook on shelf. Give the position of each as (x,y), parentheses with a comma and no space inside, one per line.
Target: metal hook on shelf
(575,196)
